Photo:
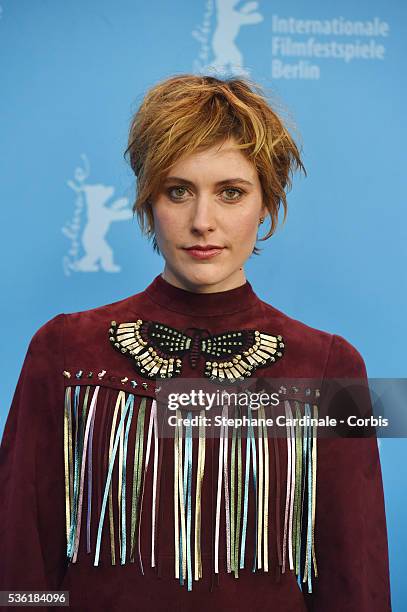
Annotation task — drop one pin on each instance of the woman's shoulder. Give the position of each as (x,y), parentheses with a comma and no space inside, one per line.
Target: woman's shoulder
(80,331)
(314,340)
(75,323)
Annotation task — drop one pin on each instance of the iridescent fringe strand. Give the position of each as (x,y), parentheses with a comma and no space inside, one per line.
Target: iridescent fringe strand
(300,504)
(78,439)
(238,480)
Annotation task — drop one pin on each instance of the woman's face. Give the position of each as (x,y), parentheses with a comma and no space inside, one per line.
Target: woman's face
(211,198)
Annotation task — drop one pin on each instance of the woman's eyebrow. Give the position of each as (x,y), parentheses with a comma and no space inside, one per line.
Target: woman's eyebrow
(218,184)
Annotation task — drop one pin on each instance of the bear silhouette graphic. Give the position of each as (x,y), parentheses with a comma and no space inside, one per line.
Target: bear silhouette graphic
(98,253)
(229,20)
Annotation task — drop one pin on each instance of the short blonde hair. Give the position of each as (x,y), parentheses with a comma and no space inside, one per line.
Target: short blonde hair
(187,112)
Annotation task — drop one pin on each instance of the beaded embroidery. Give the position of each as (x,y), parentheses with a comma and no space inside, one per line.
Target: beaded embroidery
(157,350)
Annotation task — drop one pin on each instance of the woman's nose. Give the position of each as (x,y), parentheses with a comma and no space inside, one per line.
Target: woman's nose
(203,215)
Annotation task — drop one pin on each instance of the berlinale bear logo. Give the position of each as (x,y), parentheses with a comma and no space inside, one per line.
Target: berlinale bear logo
(229,21)
(94,212)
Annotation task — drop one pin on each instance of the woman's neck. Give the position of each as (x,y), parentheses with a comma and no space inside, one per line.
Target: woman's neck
(202,284)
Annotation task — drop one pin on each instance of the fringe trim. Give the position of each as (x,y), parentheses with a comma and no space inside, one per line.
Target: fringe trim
(234,473)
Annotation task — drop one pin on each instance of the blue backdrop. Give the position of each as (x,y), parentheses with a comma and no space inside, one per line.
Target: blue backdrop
(72,75)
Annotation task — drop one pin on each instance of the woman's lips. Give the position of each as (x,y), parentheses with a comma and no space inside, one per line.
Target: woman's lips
(203,253)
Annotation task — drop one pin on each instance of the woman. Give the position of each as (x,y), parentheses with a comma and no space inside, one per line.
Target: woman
(96,500)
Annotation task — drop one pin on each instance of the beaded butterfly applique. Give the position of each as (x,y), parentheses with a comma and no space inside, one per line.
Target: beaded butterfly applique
(157,350)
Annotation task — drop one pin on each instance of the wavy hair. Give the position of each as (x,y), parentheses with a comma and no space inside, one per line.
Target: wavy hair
(186,113)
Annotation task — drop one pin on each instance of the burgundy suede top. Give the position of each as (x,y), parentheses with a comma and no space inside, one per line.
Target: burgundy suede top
(350,526)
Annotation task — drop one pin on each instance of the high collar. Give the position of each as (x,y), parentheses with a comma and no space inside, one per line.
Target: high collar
(180,300)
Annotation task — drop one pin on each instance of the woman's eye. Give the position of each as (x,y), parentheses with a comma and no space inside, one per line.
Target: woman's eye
(177,191)
(237,193)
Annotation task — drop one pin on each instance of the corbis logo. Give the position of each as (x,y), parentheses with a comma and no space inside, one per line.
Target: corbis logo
(94,211)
